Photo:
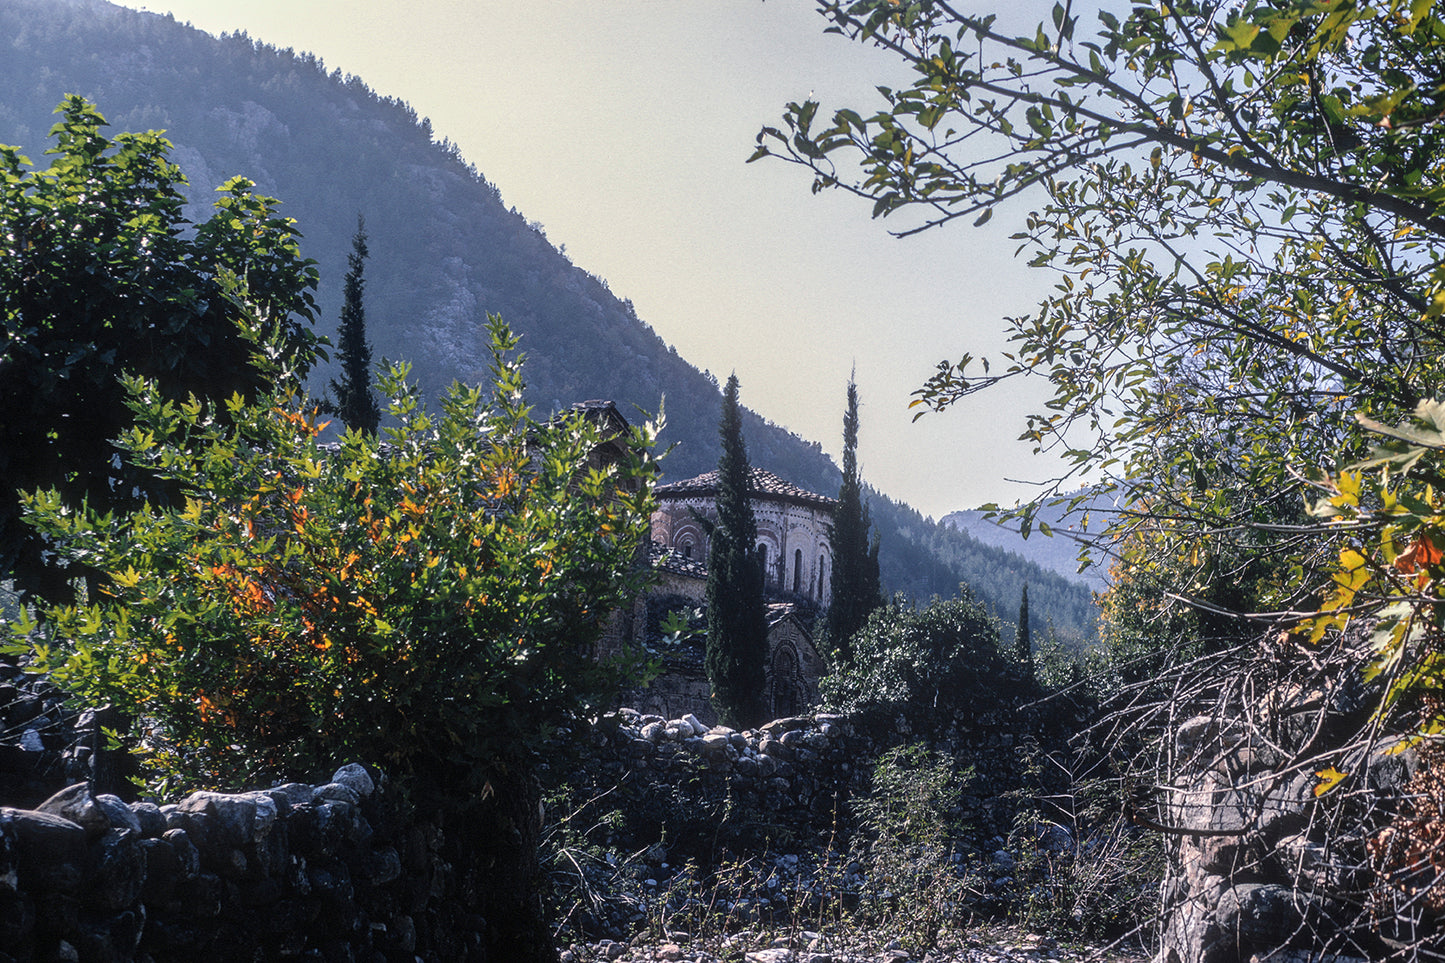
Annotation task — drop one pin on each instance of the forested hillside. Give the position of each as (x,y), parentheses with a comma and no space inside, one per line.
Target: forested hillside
(445,249)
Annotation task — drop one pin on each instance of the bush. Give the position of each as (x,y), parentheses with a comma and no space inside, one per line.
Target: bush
(931,663)
(913,882)
(426,603)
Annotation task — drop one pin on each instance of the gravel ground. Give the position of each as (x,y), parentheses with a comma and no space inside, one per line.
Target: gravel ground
(997,946)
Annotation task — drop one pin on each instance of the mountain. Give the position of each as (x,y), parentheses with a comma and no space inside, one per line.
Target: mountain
(445,248)
(1054,541)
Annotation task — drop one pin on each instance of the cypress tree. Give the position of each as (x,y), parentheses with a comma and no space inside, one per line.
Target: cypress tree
(855,585)
(737,627)
(1023,645)
(355,405)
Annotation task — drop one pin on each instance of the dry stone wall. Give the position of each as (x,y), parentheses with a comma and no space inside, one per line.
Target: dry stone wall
(793,776)
(340,869)
(45,745)
(327,872)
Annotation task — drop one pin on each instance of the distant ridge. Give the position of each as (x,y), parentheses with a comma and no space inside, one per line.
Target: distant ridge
(445,251)
(1058,552)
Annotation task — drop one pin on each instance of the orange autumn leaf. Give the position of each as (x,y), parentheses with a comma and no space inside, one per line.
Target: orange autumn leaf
(1422,553)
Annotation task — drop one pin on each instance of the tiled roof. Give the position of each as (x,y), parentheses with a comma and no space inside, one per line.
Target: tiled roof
(781,611)
(761,483)
(675,562)
(777,611)
(600,412)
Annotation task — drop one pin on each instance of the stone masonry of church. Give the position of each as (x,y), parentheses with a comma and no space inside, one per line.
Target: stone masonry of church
(793,538)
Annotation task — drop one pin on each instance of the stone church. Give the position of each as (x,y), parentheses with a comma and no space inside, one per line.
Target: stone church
(793,530)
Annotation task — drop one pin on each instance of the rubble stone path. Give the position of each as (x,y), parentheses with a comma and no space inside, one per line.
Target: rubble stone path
(995,946)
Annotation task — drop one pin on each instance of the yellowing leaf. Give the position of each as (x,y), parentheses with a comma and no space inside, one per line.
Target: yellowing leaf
(1329,778)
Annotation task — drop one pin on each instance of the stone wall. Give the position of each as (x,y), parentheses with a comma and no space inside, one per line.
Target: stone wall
(45,745)
(797,773)
(1266,867)
(680,688)
(327,872)
(340,870)
(767,816)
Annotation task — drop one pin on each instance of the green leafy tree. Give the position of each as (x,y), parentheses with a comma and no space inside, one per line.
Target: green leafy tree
(1241,203)
(355,404)
(424,601)
(931,663)
(1391,574)
(101,275)
(737,628)
(855,588)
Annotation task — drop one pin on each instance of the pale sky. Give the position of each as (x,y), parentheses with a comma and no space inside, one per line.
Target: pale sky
(622,126)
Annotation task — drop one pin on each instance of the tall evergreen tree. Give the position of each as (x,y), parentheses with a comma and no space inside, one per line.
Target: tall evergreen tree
(1023,644)
(355,405)
(737,626)
(855,584)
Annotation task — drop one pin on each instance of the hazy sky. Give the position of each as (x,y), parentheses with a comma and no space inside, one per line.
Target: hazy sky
(622,126)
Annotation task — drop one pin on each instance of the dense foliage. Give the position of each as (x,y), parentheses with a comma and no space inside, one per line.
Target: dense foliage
(453,249)
(1393,568)
(855,587)
(102,275)
(355,405)
(996,577)
(1241,205)
(931,663)
(424,602)
(737,629)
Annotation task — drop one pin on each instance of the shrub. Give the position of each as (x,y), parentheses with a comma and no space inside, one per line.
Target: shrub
(932,663)
(913,884)
(425,602)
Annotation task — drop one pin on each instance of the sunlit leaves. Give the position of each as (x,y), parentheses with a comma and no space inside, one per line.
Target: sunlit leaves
(1391,581)
(427,598)
(103,277)
(1329,778)
(1239,207)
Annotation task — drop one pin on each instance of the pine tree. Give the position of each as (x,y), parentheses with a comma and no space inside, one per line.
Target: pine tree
(737,628)
(1023,645)
(355,405)
(856,589)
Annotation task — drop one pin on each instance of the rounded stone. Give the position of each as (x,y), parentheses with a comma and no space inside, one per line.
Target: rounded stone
(355,777)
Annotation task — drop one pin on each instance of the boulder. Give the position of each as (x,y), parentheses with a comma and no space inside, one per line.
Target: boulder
(76,804)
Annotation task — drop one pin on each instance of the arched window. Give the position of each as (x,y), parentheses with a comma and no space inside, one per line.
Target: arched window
(687,548)
(797,570)
(822,577)
(787,687)
(763,560)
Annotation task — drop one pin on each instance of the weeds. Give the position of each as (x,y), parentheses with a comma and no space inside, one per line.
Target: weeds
(1081,867)
(685,859)
(912,884)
